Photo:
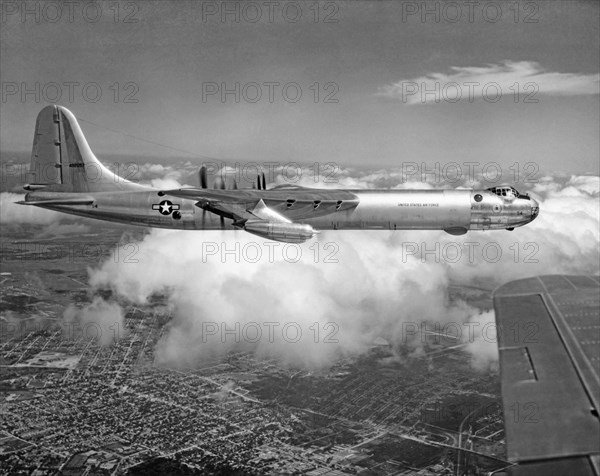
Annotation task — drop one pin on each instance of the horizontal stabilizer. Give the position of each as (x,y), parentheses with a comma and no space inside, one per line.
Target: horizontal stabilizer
(59,201)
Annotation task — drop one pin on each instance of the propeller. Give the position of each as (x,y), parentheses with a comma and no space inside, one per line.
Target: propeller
(222,187)
(202,177)
(219,182)
(262,181)
(204,184)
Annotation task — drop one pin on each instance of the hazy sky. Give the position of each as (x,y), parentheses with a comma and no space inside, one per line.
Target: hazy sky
(378,57)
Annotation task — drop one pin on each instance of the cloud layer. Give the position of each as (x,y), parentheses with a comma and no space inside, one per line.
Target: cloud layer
(517,80)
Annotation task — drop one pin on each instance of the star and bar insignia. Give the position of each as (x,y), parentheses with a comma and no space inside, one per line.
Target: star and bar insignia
(165,207)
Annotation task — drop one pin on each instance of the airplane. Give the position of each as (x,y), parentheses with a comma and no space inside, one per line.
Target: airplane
(67,177)
(548,334)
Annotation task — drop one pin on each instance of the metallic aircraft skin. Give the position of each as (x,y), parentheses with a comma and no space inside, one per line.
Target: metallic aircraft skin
(376,209)
(67,177)
(548,332)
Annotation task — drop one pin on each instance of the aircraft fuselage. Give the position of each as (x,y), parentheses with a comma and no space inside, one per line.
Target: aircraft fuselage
(450,210)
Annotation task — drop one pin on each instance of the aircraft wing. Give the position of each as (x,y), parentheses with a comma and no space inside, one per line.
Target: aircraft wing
(286,203)
(549,342)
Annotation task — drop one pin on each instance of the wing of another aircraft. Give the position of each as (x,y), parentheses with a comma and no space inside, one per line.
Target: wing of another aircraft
(549,342)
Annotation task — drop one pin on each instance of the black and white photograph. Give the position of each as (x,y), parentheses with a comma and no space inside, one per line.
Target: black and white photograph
(300,237)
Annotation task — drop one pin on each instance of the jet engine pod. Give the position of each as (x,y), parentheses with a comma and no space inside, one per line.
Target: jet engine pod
(286,232)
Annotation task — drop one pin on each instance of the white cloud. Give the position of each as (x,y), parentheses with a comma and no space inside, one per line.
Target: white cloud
(100,319)
(165,183)
(334,309)
(11,212)
(483,345)
(522,80)
(587,183)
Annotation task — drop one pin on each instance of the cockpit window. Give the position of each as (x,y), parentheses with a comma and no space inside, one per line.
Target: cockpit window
(509,192)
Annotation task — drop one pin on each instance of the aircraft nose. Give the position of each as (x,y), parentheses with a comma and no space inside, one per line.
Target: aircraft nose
(535,209)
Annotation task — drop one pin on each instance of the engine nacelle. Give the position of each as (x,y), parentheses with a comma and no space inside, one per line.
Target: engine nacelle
(32,187)
(286,232)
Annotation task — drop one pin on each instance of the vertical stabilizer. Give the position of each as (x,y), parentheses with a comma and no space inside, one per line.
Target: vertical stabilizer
(62,160)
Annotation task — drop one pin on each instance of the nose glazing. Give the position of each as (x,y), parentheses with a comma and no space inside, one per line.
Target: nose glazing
(535,209)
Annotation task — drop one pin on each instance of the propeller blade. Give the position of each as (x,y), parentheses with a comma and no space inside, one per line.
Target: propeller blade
(264,181)
(258,182)
(222,186)
(202,176)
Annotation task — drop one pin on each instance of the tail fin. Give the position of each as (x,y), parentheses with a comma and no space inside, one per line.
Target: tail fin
(61,158)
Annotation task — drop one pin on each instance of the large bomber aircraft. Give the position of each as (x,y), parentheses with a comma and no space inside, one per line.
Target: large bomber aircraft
(67,177)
